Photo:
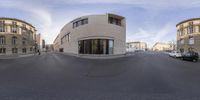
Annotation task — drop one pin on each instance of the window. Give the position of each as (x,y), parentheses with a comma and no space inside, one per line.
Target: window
(96,46)
(31,49)
(2,26)
(24,28)
(24,50)
(114,21)
(2,50)
(178,32)
(181,32)
(80,22)
(182,41)
(23,25)
(85,21)
(62,40)
(66,37)
(14,40)
(14,27)
(190,28)
(191,40)
(111,46)
(199,28)
(2,40)
(14,50)
(24,41)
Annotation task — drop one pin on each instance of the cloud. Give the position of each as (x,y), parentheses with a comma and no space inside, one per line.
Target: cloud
(149,4)
(41,15)
(165,34)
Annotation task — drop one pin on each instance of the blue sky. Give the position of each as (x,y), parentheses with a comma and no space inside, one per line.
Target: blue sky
(147,20)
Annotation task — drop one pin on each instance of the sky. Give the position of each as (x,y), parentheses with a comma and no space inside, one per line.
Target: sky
(148,21)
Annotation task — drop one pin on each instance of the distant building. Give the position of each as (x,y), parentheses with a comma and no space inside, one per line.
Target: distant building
(134,46)
(56,45)
(43,45)
(39,41)
(159,46)
(16,37)
(49,47)
(188,35)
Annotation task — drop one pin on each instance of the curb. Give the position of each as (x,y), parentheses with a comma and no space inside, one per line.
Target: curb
(96,56)
(15,56)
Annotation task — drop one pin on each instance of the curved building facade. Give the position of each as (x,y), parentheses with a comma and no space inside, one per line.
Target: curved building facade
(94,34)
(188,35)
(16,37)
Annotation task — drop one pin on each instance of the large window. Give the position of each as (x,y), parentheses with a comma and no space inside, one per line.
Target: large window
(24,30)
(30,33)
(2,50)
(191,28)
(96,46)
(80,22)
(24,41)
(14,27)
(2,40)
(24,50)
(191,40)
(14,40)
(115,21)
(66,37)
(2,26)
(14,50)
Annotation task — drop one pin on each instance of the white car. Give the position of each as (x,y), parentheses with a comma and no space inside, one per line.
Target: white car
(175,54)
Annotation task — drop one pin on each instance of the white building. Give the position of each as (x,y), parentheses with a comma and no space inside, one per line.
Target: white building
(135,46)
(160,46)
(94,34)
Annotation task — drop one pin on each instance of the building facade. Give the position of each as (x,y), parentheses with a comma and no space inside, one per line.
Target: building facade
(16,37)
(134,46)
(159,46)
(39,41)
(188,35)
(94,34)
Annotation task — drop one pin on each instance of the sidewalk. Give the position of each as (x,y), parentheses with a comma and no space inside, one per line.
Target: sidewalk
(15,56)
(89,56)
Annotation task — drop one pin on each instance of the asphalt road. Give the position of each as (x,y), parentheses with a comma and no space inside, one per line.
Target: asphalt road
(143,76)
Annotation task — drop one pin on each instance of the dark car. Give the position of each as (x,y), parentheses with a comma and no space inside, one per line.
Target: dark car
(191,56)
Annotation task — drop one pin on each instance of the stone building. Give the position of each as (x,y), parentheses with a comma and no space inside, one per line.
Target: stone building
(188,35)
(16,37)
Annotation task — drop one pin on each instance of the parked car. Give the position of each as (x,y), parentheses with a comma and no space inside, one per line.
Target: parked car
(191,56)
(175,54)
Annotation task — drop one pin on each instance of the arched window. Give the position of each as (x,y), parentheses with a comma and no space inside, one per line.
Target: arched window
(2,40)
(14,40)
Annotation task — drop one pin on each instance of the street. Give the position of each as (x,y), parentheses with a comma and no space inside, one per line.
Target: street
(142,76)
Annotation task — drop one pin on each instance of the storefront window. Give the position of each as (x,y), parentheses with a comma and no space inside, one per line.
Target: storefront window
(96,46)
